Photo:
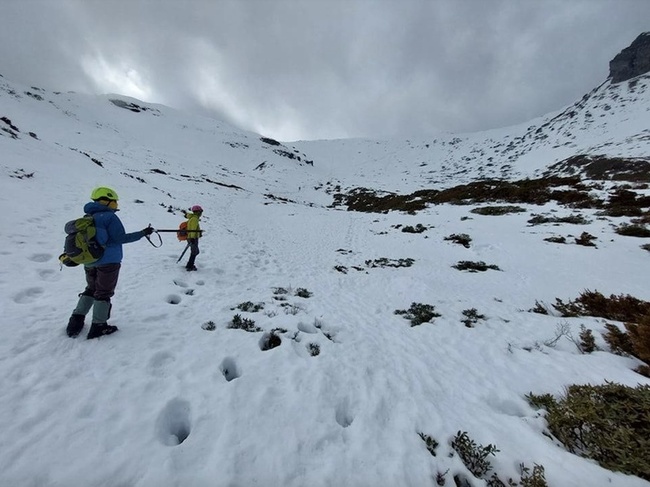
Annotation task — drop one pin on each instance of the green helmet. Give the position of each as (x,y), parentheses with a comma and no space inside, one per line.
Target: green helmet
(103,193)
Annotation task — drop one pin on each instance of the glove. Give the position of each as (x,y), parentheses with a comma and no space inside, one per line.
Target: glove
(147,231)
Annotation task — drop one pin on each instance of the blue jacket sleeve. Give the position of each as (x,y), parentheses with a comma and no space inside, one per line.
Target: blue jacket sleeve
(117,234)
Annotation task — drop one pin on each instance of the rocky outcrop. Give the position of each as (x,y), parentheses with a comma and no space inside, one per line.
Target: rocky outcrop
(631,61)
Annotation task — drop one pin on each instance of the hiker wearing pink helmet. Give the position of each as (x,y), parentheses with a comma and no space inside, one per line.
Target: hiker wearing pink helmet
(193,235)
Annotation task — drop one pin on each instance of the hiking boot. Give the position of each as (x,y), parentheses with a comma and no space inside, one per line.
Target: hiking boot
(100,329)
(75,325)
(191,268)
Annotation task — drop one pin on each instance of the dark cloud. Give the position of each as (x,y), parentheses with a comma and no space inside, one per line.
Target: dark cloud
(326,68)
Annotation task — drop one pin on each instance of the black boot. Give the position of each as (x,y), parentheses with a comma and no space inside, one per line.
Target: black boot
(75,325)
(100,329)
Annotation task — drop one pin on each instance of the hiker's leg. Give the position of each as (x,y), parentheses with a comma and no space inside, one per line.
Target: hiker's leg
(194,251)
(86,301)
(105,284)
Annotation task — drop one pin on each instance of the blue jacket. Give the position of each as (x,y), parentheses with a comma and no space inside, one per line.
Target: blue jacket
(110,233)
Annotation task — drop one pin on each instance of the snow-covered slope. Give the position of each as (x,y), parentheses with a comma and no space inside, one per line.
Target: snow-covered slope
(611,120)
(168,401)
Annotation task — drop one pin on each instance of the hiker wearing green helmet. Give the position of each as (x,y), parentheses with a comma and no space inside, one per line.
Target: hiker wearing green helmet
(193,235)
(101,275)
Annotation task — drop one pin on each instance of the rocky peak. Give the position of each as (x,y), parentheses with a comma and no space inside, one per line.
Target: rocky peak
(631,61)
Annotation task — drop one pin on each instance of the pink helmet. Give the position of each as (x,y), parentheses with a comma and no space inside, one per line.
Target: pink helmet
(196,208)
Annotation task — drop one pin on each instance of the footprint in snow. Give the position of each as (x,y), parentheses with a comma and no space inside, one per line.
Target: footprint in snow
(174,299)
(229,369)
(160,362)
(48,274)
(344,415)
(40,257)
(173,425)
(28,295)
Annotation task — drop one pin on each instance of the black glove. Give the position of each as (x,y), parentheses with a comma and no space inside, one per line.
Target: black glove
(147,231)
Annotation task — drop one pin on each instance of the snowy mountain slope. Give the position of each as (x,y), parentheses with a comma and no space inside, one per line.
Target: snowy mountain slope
(612,120)
(342,400)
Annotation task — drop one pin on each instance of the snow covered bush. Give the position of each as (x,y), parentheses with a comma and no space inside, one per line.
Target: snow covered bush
(498,210)
(245,324)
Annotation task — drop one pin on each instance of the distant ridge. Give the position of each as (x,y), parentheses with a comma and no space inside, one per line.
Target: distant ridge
(632,61)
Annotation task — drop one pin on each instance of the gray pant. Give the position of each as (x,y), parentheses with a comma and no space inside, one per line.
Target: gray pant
(194,250)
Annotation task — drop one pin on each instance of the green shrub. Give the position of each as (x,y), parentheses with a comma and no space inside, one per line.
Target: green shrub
(628,230)
(587,340)
(639,334)
(556,239)
(539,308)
(431,443)
(635,341)
(460,238)
(245,324)
(498,210)
(419,228)
(314,349)
(618,340)
(270,341)
(250,307)
(609,424)
(535,478)
(418,313)
(301,292)
(209,326)
(471,317)
(385,262)
(466,265)
(473,456)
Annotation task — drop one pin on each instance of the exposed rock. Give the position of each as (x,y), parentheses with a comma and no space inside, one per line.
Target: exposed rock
(631,61)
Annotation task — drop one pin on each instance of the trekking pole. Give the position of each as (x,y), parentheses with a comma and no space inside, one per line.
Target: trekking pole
(184,250)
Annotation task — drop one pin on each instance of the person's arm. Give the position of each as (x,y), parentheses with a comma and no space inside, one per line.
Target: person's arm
(117,234)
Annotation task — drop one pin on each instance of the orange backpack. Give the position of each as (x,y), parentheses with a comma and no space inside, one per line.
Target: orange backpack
(181,234)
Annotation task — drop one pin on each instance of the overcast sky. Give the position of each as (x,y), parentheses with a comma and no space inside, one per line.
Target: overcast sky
(313,69)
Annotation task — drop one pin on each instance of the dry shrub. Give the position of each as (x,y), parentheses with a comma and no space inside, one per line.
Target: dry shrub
(624,308)
(639,334)
(633,231)
(498,210)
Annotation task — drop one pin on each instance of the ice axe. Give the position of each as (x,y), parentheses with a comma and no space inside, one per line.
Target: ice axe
(184,250)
